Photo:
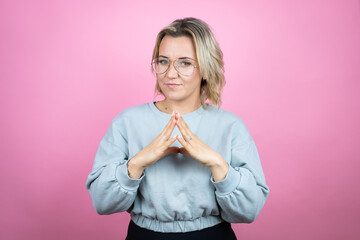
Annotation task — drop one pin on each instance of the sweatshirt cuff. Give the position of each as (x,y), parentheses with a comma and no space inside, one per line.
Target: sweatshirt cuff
(230,182)
(125,181)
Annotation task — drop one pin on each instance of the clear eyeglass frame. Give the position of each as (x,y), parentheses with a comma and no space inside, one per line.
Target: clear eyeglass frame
(177,64)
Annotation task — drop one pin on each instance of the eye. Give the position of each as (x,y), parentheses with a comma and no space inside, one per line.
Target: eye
(185,63)
(163,61)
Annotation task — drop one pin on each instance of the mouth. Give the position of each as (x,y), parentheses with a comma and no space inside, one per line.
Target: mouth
(172,85)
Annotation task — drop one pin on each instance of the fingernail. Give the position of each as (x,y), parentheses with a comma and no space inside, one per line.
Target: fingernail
(179,114)
(172,114)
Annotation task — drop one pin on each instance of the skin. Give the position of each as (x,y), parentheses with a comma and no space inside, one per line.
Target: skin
(182,99)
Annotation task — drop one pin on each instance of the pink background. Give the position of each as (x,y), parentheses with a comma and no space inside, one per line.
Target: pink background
(67,68)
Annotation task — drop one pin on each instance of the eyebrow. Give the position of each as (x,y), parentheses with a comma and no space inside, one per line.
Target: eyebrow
(178,58)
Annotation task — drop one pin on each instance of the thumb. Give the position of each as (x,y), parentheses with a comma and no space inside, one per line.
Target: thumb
(183,151)
(171,150)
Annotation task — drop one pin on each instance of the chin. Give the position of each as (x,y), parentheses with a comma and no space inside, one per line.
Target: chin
(174,96)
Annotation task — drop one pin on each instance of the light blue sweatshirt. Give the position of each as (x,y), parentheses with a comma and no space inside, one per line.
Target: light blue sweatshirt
(177,193)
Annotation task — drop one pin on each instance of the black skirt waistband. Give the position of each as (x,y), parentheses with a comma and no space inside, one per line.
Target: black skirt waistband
(221,231)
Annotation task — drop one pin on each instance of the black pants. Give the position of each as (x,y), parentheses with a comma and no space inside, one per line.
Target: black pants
(221,231)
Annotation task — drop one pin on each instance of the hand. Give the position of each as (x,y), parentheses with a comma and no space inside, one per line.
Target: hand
(194,147)
(158,148)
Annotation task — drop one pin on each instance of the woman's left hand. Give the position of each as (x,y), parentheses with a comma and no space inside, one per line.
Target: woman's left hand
(194,147)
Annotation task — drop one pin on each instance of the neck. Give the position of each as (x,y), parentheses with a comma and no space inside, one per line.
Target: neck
(169,106)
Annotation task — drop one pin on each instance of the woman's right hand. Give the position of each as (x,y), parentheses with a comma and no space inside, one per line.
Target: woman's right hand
(158,148)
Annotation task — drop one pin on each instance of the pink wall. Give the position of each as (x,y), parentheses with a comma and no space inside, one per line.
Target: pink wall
(68,67)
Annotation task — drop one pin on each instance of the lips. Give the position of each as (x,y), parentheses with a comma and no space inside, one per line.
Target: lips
(172,85)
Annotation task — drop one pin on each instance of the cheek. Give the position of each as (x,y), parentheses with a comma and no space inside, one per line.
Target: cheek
(197,78)
(196,81)
(160,83)
(160,78)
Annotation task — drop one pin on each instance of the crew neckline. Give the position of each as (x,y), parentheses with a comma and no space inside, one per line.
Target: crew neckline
(192,114)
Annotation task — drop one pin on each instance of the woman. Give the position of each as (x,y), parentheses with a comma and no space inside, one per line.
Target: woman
(182,168)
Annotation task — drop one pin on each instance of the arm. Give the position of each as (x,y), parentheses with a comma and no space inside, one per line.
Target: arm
(109,185)
(243,192)
(115,179)
(240,187)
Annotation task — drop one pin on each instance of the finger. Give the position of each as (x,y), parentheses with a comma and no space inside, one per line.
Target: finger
(182,130)
(177,116)
(168,130)
(169,127)
(185,126)
(185,132)
(181,122)
(166,144)
(170,141)
(171,120)
(185,144)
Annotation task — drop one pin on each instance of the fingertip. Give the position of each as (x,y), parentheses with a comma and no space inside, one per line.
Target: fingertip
(172,139)
(179,138)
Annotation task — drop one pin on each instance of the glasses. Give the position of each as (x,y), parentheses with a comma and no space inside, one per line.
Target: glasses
(184,66)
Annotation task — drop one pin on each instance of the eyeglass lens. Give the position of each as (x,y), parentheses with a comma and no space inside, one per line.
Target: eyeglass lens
(183,66)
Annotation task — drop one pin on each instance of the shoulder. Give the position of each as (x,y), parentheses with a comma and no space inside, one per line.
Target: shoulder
(227,120)
(223,115)
(127,118)
(130,116)
(132,112)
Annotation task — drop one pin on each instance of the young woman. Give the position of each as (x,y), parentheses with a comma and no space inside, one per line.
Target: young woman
(182,167)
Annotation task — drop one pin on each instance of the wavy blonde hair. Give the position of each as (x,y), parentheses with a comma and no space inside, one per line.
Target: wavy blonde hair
(208,53)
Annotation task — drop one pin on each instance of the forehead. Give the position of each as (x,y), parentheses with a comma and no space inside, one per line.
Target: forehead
(177,47)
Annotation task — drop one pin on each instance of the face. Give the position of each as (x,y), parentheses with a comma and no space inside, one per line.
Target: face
(173,85)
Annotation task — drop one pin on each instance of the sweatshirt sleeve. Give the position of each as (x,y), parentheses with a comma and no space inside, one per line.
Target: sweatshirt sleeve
(109,185)
(243,192)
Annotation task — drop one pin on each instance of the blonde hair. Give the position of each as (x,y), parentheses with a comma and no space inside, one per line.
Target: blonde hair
(208,53)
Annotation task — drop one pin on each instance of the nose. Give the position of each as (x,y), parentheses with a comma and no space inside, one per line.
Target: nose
(172,72)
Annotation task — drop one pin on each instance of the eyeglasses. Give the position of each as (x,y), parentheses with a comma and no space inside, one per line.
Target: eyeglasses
(184,66)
